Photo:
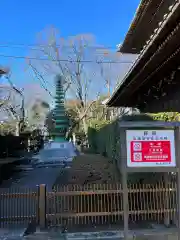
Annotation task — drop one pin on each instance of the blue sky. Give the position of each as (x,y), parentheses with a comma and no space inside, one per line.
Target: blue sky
(21,21)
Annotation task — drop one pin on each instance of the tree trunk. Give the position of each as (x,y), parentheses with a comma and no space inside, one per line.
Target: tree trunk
(17,129)
(85,127)
(74,138)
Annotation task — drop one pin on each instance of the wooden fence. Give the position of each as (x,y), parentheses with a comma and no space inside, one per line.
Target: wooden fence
(97,204)
(101,204)
(18,206)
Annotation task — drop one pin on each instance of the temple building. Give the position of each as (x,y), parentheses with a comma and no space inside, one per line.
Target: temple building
(152,84)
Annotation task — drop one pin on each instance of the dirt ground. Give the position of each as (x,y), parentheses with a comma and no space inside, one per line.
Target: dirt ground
(89,169)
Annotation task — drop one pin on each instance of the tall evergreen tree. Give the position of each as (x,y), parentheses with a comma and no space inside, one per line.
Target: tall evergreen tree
(61,120)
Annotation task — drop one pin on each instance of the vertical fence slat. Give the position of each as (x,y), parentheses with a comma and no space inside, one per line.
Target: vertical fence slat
(42,206)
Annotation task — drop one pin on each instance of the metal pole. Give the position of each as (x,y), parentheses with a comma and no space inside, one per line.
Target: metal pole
(125,204)
(124,173)
(177,148)
(166,200)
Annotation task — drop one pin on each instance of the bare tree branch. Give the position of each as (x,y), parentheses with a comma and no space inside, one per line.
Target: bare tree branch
(40,78)
(20,116)
(82,82)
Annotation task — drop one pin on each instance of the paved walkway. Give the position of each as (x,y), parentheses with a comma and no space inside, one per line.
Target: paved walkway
(31,179)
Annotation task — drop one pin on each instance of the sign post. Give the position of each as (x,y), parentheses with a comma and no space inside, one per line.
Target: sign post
(148,147)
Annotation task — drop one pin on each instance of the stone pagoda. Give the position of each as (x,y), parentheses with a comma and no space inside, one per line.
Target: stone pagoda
(60,118)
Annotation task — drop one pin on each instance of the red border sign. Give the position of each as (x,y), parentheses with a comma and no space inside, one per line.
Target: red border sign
(151,151)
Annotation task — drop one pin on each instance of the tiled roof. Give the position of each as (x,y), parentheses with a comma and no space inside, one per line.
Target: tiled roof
(147,17)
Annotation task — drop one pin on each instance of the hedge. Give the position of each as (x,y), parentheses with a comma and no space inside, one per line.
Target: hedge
(104,136)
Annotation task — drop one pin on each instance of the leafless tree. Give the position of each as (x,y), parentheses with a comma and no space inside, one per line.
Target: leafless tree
(5,95)
(15,105)
(109,67)
(77,59)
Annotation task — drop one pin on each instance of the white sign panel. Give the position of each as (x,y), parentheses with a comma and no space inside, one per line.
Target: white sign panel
(150,148)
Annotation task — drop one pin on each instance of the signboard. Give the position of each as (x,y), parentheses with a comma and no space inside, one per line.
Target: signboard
(150,148)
